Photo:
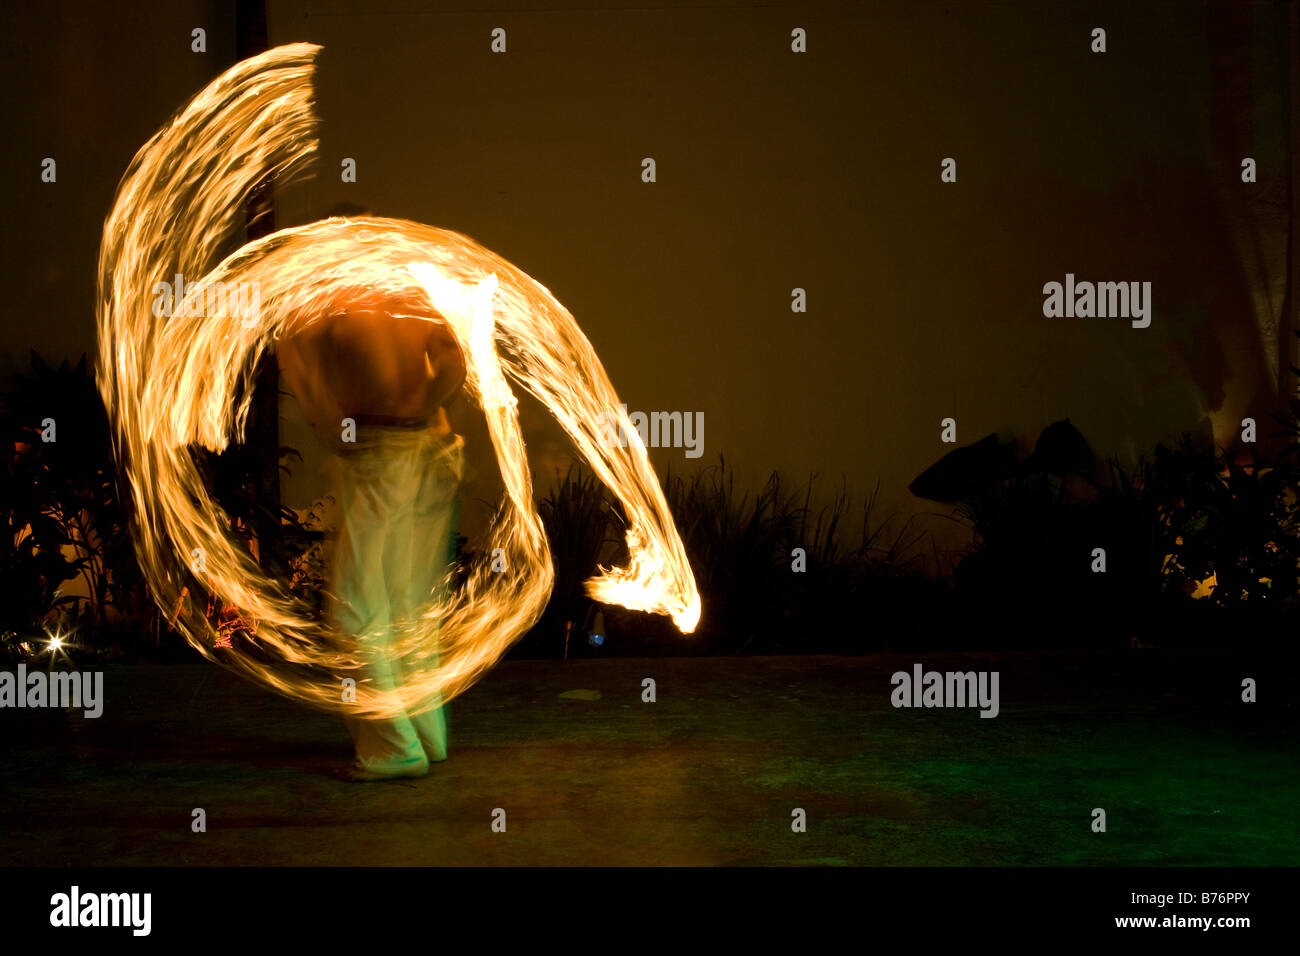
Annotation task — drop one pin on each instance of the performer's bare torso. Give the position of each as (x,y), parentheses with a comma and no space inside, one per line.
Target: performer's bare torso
(378,358)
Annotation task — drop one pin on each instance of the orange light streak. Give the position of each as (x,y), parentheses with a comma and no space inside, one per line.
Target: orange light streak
(174,381)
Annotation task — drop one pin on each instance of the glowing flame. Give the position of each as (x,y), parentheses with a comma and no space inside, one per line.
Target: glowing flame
(171,382)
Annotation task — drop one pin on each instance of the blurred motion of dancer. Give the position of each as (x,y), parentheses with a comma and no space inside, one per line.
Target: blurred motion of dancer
(382,363)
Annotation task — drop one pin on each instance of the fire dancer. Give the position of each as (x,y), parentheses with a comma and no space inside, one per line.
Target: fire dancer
(374,379)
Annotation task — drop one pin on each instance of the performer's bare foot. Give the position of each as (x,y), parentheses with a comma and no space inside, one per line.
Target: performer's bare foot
(359,774)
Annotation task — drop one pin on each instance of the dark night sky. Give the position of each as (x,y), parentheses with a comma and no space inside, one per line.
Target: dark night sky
(775,170)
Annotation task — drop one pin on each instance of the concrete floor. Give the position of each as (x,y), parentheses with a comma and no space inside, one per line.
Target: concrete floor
(707,775)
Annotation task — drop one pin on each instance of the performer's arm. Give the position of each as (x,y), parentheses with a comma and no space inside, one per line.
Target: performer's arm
(299,356)
(445,363)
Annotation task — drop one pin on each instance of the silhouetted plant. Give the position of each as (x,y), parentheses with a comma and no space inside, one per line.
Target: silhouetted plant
(583,529)
(740,546)
(309,557)
(1187,519)
(1237,524)
(64,517)
(60,500)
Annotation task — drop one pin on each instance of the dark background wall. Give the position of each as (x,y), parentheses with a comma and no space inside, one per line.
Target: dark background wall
(775,170)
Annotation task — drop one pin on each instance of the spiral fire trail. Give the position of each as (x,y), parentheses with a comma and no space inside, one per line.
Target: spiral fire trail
(172,382)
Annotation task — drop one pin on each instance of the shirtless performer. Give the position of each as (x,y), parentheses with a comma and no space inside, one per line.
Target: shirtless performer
(379,361)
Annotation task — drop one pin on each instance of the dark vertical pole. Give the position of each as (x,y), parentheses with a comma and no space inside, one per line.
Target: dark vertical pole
(1291,102)
(264,418)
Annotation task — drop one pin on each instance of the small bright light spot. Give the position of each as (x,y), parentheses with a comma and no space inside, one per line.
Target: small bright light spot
(56,643)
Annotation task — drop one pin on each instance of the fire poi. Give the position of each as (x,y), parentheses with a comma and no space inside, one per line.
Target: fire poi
(174,381)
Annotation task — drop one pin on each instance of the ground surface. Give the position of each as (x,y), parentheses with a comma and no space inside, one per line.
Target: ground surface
(709,774)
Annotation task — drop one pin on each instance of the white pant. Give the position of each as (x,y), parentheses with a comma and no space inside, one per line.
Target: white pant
(396,542)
